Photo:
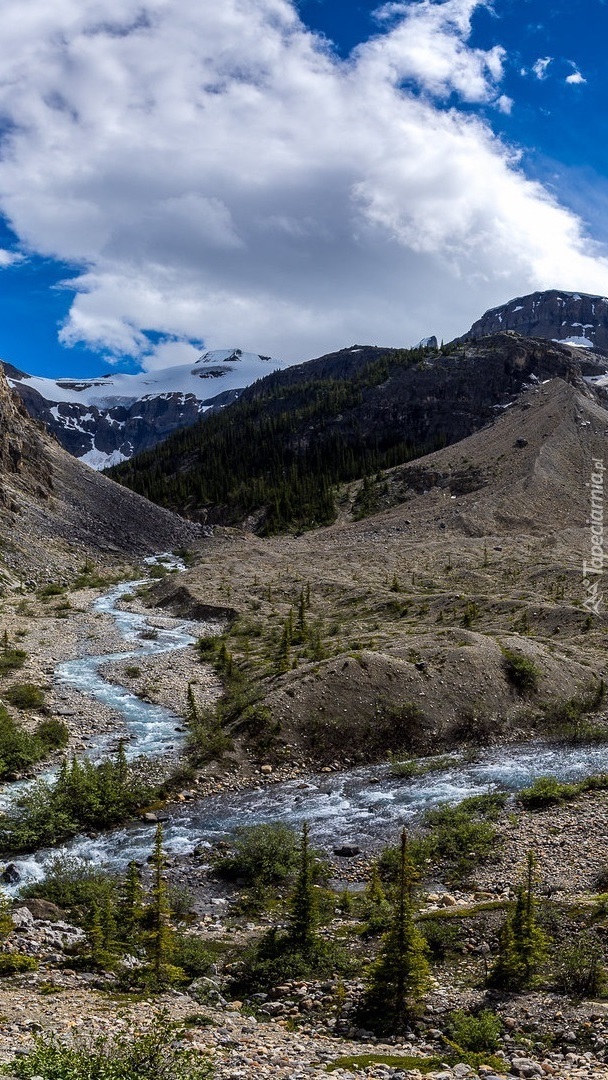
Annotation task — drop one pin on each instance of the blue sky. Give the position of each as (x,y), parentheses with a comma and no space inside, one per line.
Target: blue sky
(290,178)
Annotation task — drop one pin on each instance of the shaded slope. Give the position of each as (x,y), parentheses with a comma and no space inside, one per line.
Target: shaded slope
(276,455)
(52,507)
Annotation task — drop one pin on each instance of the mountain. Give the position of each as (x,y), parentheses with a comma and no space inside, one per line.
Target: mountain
(570,318)
(55,510)
(394,632)
(274,459)
(106,420)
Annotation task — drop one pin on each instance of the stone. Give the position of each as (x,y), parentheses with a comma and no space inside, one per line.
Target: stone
(347,851)
(10,875)
(44,909)
(266,769)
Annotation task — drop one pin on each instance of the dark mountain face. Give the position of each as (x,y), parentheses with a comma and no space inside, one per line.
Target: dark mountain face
(53,508)
(571,318)
(272,460)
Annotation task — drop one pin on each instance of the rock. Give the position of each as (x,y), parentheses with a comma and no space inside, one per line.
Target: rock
(44,909)
(347,851)
(266,769)
(22,918)
(10,875)
(149,818)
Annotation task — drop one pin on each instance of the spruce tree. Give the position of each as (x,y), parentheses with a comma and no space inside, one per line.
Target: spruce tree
(304,913)
(400,977)
(131,905)
(523,945)
(159,913)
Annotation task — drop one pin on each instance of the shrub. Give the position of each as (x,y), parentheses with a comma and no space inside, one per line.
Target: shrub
(25,696)
(521,672)
(84,796)
(580,971)
(132,671)
(71,883)
(16,963)
(11,660)
(263,854)
(52,734)
(191,955)
(547,791)
(477,1033)
(143,1057)
(443,939)
(19,749)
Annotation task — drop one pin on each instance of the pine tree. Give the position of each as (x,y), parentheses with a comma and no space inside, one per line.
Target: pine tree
(523,946)
(304,913)
(375,905)
(400,977)
(159,912)
(131,905)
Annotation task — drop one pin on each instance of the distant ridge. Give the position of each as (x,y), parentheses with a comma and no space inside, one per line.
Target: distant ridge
(108,419)
(576,319)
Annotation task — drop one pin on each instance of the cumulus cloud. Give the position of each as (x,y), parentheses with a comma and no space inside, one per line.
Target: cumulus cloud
(220,177)
(576,78)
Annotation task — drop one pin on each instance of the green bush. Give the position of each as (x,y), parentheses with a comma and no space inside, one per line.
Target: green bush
(52,734)
(442,937)
(25,696)
(84,797)
(547,791)
(72,883)
(580,971)
(16,963)
(152,1056)
(19,749)
(262,854)
(191,955)
(476,1033)
(11,660)
(521,672)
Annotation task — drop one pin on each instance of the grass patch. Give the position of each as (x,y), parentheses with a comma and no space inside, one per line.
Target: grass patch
(414,767)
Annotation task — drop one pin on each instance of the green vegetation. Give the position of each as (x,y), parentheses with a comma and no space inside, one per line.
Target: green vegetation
(13,963)
(523,945)
(298,952)
(396,1061)
(262,855)
(477,1033)
(548,791)
(566,719)
(521,672)
(19,749)
(84,796)
(255,459)
(11,659)
(401,975)
(155,1055)
(460,837)
(25,696)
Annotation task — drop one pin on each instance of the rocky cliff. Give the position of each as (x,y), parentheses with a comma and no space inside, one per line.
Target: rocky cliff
(571,318)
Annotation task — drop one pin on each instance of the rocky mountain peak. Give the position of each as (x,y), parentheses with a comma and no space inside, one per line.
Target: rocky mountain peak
(575,319)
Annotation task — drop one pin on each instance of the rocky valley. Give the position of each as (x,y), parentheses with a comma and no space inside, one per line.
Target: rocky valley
(375,616)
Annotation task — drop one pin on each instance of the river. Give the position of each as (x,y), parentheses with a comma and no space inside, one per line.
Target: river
(365,806)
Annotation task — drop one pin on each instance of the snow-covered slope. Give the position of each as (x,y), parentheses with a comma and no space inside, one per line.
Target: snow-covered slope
(106,420)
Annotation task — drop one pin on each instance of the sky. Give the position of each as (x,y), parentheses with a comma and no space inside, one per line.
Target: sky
(290,176)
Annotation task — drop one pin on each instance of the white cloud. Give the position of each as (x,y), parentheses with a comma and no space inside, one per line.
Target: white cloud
(9,258)
(541,66)
(221,176)
(575,79)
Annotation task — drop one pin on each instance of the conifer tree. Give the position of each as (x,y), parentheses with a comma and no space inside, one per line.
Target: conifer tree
(523,945)
(400,976)
(375,904)
(304,913)
(131,905)
(159,912)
